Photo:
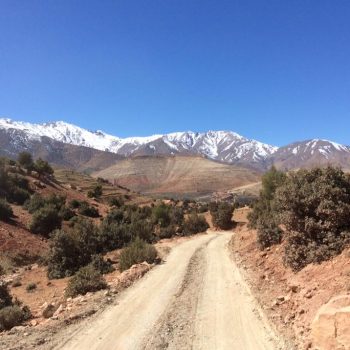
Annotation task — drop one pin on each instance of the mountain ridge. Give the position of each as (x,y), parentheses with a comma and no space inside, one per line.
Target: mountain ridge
(224,146)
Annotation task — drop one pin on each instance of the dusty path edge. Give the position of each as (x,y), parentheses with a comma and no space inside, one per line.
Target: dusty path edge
(279,340)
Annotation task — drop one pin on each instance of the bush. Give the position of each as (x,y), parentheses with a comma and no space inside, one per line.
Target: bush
(63,259)
(45,220)
(116,202)
(101,265)
(66,213)
(5,297)
(11,316)
(18,195)
(6,212)
(167,232)
(35,202)
(141,229)
(314,206)
(95,192)
(87,279)
(25,160)
(268,236)
(113,236)
(222,216)
(42,167)
(71,250)
(137,252)
(74,204)
(161,215)
(31,287)
(264,209)
(87,210)
(195,224)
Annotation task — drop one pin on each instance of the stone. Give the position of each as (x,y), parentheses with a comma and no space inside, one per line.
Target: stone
(330,328)
(48,310)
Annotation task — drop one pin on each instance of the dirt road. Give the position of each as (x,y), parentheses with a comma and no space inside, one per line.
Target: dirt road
(195,300)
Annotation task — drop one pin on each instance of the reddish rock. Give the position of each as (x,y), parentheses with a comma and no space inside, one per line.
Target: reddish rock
(330,328)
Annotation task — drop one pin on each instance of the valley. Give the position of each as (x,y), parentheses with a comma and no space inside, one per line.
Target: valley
(181,176)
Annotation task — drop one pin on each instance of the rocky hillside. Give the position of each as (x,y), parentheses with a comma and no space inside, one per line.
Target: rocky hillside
(80,158)
(176,175)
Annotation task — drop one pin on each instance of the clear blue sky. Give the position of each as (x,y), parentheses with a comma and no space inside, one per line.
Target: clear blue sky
(273,70)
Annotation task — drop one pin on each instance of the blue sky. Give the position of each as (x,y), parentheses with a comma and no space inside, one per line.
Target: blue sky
(273,70)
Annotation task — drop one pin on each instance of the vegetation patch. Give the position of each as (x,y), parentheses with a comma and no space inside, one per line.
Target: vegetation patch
(312,205)
(137,252)
(87,279)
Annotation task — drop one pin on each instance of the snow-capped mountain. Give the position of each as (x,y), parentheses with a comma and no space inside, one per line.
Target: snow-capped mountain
(311,153)
(223,146)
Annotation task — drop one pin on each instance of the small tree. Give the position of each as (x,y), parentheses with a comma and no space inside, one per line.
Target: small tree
(25,160)
(64,257)
(45,220)
(6,212)
(195,224)
(43,168)
(222,216)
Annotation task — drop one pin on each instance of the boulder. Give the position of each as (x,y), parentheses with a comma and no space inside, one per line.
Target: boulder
(48,310)
(330,329)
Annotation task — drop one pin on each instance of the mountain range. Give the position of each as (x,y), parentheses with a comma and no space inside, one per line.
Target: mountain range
(66,144)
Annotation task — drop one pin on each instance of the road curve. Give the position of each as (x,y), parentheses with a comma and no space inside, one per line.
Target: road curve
(195,300)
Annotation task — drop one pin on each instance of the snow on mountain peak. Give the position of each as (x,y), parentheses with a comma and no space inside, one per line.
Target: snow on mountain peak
(220,145)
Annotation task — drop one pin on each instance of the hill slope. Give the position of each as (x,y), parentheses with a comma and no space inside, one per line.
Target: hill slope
(177,175)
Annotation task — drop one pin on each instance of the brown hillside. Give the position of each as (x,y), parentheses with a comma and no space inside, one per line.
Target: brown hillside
(177,175)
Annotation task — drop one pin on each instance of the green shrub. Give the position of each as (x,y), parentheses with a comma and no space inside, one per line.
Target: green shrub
(194,224)
(314,206)
(101,265)
(87,210)
(11,316)
(42,167)
(161,215)
(57,201)
(5,297)
(18,195)
(71,250)
(116,202)
(141,229)
(87,279)
(74,204)
(115,216)
(45,220)
(35,202)
(222,216)
(66,213)
(95,192)
(137,252)
(25,160)
(167,232)
(113,236)
(31,287)
(6,212)
(268,236)
(64,256)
